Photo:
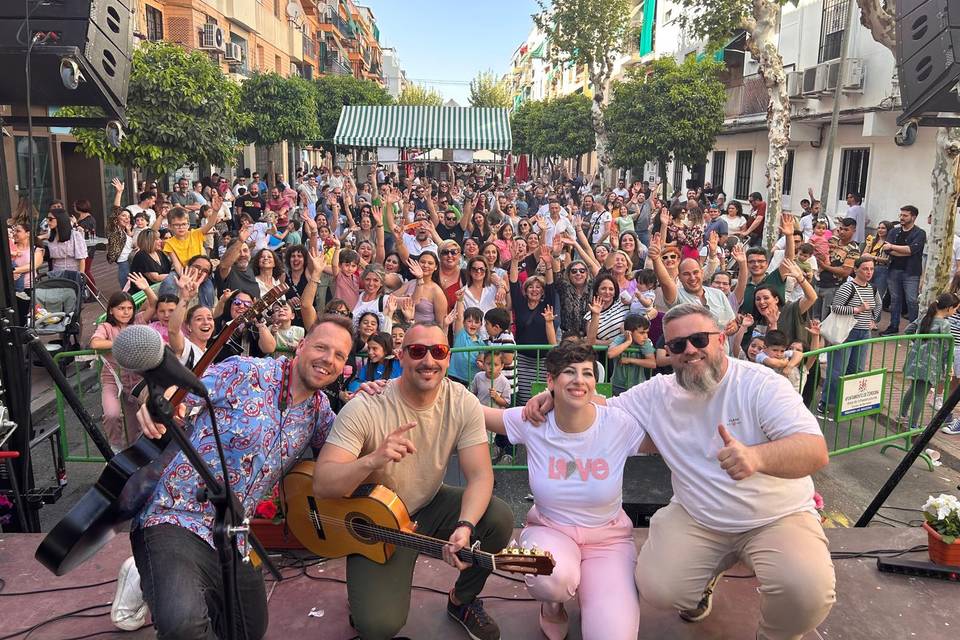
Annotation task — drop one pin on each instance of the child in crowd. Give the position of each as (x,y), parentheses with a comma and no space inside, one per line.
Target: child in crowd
(819,241)
(160,314)
(466,325)
(755,348)
(490,385)
(643,298)
(287,335)
(293,236)
(497,323)
(368,325)
(631,370)
(784,361)
(807,264)
(225,239)
(345,269)
(381,365)
(119,406)
(397,334)
(926,362)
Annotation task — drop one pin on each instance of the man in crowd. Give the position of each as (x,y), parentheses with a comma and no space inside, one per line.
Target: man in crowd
(843,253)
(235,271)
(691,289)
(251,203)
(404,439)
(145,203)
(856,211)
(905,246)
(425,237)
(741,446)
(757,261)
(186,199)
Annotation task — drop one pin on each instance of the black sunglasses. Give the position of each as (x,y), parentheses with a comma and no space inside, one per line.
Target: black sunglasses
(419,351)
(699,340)
(450,252)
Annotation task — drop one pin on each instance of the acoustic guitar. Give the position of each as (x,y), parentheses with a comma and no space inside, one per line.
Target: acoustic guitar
(128,478)
(374,521)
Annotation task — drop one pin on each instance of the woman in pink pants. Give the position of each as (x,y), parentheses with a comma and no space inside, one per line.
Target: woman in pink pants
(575,465)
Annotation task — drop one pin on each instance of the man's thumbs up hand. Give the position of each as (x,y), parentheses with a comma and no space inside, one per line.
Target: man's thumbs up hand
(737,459)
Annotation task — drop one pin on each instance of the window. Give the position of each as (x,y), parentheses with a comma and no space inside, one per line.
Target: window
(718,168)
(154,24)
(854,164)
(277,64)
(677,175)
(741,186)
(260,58)
(788,173)
(832,22)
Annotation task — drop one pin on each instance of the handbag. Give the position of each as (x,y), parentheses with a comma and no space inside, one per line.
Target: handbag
(836,327)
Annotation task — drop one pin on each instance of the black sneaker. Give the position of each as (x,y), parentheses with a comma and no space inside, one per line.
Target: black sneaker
(890,331)
(705,605)
(474,619)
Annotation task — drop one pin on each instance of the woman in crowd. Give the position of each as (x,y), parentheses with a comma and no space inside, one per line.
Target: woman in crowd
(295,274)
(149,261)
(479,291)
(267,269)
(430,302)
(690,237)
(574,287)
(881,259)
(253,339)
(451,274)
(629,243)
(87,224)
(606,312)
(66,246)
(529,301)
(736,221)
(491,254)
(771,312)
(584,526)
(373,297)
(190,330)
(23,276)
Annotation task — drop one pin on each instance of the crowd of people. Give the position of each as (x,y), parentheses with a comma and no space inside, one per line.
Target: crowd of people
(411,265)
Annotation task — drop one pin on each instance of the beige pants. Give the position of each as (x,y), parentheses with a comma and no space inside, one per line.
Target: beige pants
(790,558)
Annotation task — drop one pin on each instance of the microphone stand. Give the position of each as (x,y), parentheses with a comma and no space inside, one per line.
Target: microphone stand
(228,518)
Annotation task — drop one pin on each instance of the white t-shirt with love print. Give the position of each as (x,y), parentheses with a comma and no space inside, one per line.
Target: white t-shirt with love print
(577,478)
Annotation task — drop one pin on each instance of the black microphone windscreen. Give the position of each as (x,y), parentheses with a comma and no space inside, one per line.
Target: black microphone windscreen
(138,348)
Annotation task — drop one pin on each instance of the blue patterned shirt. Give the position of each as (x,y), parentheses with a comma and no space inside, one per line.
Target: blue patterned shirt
(260,444)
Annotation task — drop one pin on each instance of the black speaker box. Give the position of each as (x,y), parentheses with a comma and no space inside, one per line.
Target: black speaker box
(928,48)
(101,31)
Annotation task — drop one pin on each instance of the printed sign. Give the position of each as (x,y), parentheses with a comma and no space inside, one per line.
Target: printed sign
(861,394)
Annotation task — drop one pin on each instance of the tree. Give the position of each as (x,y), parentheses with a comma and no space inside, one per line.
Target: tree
(278,109)
(525,124)
(880,19)
(677,110)
(336,92)
(181,109)
(487,90)
(565,128)
(417,95)
(594,34)
(720,20)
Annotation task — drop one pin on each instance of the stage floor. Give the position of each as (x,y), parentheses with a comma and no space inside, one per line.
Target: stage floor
(870,604)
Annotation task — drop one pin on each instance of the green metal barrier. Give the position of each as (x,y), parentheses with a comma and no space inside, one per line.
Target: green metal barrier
(76,446)
(881,425)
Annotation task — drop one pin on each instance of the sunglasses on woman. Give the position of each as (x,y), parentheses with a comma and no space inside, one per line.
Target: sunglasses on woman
(450,252)
(242,303)
(699,340)
(419,351)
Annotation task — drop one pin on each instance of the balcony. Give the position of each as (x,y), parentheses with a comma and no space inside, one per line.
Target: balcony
(334,66)
(309,49)
(747,99)
(339,24)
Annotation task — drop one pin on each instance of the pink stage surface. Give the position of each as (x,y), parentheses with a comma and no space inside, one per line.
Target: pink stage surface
(870,604)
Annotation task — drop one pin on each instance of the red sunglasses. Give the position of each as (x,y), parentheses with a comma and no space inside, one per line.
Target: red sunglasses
(419,351)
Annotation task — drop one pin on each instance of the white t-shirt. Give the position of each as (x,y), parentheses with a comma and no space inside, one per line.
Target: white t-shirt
(134,209)
(756,405)
(563,226)
(577,478)
(599,225)
(415,248)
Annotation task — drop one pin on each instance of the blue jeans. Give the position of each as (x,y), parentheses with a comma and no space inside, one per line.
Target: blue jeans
(206,293)
(879,281)
(843,362)
(181,583)
(123,270)
(904,292)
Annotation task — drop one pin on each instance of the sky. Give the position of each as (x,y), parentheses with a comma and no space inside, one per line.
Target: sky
(452,41)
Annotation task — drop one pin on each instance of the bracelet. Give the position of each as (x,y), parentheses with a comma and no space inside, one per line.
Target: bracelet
(468,525)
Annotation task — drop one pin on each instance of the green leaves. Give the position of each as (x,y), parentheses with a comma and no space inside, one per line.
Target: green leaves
(416,95)
(677,110)
(181,109)
(278,109)
(488,90)
(560,128)
(594,33)
(335,92)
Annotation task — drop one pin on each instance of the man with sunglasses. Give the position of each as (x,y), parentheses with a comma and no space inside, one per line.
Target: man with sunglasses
(403,439)
(741,446)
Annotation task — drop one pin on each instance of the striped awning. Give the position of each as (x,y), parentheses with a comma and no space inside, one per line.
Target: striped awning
(471,128)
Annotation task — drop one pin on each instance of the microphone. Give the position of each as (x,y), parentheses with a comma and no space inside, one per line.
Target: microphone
(140,348)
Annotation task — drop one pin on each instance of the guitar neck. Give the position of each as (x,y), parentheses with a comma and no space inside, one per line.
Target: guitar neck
(432,547)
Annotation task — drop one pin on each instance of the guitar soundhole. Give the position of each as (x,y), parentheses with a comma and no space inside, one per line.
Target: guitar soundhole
(360,527)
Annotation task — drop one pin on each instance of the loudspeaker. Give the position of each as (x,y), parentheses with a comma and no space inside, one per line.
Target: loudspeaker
(96,34)
(928,45)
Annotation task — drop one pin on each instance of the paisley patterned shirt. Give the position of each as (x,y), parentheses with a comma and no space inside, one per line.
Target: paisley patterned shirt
(260,442)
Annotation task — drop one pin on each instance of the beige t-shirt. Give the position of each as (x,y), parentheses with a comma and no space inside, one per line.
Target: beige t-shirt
(453,422)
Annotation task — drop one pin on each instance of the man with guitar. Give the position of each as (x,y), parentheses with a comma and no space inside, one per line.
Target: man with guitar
(403,439)
(268,412)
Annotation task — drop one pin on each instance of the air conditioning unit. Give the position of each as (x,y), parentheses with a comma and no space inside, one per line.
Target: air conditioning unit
(810,82)
(854,76)
(211,38)
(823,72)
(233,53)
(832,75)
(795,85)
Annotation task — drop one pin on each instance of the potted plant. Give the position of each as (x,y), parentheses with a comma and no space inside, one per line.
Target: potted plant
(942,522)
(269,525)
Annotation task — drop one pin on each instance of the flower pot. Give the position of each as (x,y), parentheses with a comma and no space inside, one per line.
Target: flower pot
(274,535)
(941,552)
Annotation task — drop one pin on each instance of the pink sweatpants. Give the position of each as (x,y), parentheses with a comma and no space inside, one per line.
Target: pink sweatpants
(596,564)
(119,434)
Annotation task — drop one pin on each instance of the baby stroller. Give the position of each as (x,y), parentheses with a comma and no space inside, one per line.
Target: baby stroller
(58,313)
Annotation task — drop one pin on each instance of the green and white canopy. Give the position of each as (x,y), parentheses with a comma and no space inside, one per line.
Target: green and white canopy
(469,128)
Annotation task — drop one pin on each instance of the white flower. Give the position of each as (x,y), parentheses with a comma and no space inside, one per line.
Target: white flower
(942,506)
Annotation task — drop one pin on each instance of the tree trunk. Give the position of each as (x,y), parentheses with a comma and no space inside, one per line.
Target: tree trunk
(944,181)
(762,42)
(945,178)
(662,167)
(600,131)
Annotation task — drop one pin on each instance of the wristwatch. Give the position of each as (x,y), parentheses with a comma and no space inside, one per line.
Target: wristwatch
(468,525)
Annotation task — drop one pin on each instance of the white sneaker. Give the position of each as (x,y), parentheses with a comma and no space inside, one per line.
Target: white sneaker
(128,611)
